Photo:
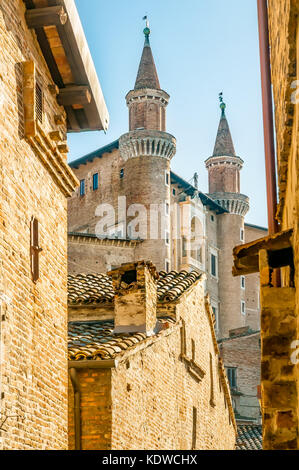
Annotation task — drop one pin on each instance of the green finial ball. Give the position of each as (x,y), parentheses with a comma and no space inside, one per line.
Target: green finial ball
(222,106)
(147,31)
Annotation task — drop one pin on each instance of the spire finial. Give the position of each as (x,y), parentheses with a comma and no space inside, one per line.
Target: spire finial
(222,104)
(146,30)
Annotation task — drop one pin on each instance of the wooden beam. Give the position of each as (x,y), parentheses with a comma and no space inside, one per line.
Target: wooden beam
(74,95)
(48,16)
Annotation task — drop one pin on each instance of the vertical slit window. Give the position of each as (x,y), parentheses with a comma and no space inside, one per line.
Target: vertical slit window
(34,249)
(95,181)
(82,187)
(39,107)
(194,427)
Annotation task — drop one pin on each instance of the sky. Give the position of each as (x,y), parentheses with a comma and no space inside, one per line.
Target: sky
(201,48)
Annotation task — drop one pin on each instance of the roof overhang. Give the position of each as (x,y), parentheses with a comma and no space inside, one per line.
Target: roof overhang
(65,49)
(279,247)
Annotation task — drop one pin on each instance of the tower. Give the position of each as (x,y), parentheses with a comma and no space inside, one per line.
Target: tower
(224,168)
(146,151)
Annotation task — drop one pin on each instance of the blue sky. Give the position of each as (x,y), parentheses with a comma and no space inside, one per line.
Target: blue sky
(201,47)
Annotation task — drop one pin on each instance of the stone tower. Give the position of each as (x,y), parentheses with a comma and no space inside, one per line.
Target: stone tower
(224,168)
(146,151)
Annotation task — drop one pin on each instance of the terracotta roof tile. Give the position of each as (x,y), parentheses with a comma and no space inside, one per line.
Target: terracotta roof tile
(249,437)
(95,340)
(97,288)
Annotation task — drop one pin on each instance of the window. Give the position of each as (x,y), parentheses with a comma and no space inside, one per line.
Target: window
(167,208)
(212,394)
(39,102)
(82,187)
(95,181)
(215,312)
(174,192)
(121,173)
(242,235)
(232,376)
(212,218)
(167,266)
(34,249)
(167,178)
(167,238)
(243,307)
(184,247)
(242,282)
(194,427)
(213,265)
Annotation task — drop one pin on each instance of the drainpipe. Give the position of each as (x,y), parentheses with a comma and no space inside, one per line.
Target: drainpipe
(76,387)
(262,8)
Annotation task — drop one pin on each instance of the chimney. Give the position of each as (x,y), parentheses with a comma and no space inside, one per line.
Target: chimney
(135,302)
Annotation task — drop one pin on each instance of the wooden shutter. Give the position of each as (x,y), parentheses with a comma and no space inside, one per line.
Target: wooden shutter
(34,249)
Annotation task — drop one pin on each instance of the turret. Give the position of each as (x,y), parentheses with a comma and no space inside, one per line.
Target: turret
(146,151)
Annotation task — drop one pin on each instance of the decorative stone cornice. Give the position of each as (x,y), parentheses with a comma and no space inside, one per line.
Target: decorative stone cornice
(234,203)
(87,238)
(147,143)
(147,94)
(225,160)
(54,161)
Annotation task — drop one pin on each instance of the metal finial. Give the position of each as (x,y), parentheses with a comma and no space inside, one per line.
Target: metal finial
(222,104)
(146,30)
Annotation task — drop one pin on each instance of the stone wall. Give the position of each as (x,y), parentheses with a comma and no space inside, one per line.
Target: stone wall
(33,315)
(280,375)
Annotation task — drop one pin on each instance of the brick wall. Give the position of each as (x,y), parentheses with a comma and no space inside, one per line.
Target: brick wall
(34,316)
(153,396)
(244,353)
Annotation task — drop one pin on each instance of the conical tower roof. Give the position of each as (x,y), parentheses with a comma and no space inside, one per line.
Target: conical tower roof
(147,76)
(224,143)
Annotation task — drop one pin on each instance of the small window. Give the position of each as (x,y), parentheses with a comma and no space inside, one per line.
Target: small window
(82,187)
(212,218)
(121,173)
(215,312)
(242,282)
(213,265)
(242,235)
(243,307)
(232,376)
(184,247)
(95,181)
(39,102)
(167,208)
(34,249)
(167,266)
(174,192)
(167,238)
(167,178)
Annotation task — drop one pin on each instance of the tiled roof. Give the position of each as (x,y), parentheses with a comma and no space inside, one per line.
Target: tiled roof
(224,143)
(249,437)
(97,288)
(95,340)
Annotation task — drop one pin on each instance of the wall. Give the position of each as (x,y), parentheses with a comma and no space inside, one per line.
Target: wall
(244,353)
(90,255)
(230,292)
(33,316)
(158,382)
(252,282)
(95,389)
(155,385)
